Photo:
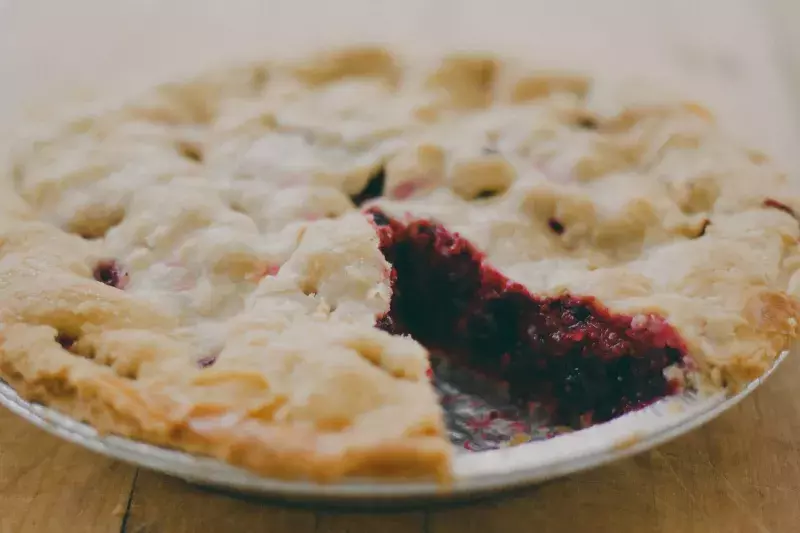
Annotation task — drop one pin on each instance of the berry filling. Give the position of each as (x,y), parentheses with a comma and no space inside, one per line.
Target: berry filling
(775,204)
(207,360)
(567,353)
(373,188)
(111,273)
(66,341)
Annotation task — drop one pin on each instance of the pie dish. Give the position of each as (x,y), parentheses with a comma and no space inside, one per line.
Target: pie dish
(260,264)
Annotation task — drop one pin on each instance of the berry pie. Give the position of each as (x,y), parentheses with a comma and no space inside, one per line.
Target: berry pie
(260,264)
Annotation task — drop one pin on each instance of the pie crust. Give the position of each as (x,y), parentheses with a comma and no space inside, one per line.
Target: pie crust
(200,267)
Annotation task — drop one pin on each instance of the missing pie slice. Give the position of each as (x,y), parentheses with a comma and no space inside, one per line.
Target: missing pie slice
(256,264)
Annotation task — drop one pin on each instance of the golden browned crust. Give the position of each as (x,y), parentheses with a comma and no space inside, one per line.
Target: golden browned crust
(227,202)
(287,451)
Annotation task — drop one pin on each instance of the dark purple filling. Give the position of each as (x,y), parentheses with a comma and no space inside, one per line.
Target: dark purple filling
(66,341)
(207,361)
(583,363)
(111,273)
(555,225)
(373,188)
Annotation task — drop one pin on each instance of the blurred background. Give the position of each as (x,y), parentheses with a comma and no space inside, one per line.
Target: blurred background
(737,55)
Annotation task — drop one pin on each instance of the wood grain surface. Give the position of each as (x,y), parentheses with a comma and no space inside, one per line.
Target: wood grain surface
(738,474)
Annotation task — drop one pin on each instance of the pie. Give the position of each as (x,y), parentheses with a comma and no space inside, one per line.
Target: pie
(259,264)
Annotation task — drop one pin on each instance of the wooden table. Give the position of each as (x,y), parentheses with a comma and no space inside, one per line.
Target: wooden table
(740,473)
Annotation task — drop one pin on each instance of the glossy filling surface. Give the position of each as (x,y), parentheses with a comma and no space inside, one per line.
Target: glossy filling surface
(568,353)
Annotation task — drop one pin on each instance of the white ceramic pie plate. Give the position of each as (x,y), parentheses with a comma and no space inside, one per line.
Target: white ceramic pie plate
(475,473)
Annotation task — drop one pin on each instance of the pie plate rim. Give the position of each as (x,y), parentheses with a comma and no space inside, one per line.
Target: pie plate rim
(474,473)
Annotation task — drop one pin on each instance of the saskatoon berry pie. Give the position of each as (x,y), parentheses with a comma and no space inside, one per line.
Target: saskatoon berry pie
(258,264)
